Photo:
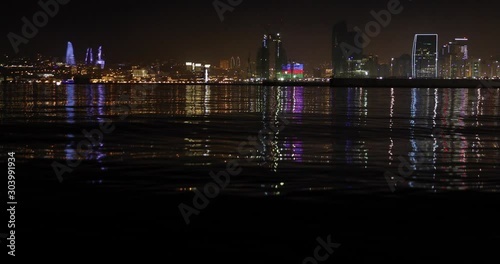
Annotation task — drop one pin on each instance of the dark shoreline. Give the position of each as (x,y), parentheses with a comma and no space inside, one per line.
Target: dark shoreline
(399,83)
(415,83)
(342,83)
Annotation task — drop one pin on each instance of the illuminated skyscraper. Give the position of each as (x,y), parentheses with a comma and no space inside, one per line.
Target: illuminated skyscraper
(263,59)
(425,56)
(292,71)
(235,63)
(271,57)
(206,72)
(225,64)
(343,44)
(401,67)
(455,58)
(100,62)
(238,62)
(89,57)
(278,55)
(476,71)
(70,56)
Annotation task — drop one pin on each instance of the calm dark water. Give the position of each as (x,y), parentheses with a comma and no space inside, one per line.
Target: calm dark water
(315,163)
(168,138)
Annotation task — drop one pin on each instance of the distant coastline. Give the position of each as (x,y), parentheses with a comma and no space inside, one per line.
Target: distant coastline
(340,83)
(416,83)
(399,83)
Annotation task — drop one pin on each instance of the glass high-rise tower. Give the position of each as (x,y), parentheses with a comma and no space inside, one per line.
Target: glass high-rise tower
(454,59)
(100,61)
(343,41)
(425,56)
(271,57)
(89,57)
(263,59)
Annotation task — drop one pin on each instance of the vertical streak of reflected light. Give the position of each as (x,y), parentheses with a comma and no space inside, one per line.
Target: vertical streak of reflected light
(391,125)
(70,104)
(350,106)
(276,155)
(90,101)
(435,146)
(366,106)
(413,142)
(359,104)
(101,102)
(477,145)
(70,110)
(365,110)
(480,102)
(206,101)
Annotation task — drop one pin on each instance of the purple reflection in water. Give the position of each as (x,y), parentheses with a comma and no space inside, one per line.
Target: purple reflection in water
(70,104)
(298,100)
(101,94)
(294,100)
(295,148)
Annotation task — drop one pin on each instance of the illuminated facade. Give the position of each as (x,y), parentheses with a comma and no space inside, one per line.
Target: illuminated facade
(279,55)
(401,67)
(271,57)
(140,74)
(263,59)
(89,57)
(455,59)
(100,62)
(425,56)
(476,68)
(343,41)
(235,63)
(224,64)
(199,70)
(292,71)
(70,55)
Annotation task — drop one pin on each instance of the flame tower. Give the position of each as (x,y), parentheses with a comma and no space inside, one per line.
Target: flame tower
(70,55)
(100,62)
(89,57)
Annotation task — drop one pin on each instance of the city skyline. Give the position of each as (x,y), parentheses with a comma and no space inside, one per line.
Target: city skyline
(251,131)
(153,31)
(430,59)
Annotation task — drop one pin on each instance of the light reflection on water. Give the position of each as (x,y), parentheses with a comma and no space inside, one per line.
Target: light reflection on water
(448,136)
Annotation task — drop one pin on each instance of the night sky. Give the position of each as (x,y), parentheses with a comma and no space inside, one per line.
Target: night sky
(142,31)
